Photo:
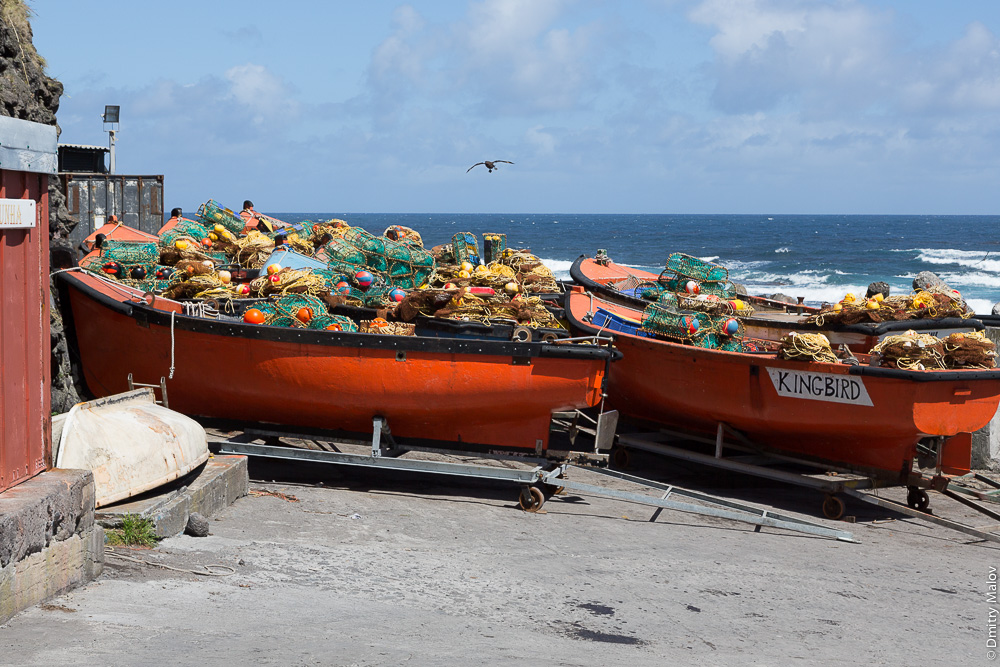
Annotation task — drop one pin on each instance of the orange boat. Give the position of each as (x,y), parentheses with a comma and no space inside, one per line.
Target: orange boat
(860,417)
(772,319)
(484,394)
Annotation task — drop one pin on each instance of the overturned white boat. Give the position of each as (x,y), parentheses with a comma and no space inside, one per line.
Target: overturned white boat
(131,443)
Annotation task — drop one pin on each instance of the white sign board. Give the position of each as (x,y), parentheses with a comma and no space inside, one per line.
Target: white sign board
(17,213)
(819,386)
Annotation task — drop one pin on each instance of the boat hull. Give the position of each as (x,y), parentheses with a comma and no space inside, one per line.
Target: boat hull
(493,394)
(859,417)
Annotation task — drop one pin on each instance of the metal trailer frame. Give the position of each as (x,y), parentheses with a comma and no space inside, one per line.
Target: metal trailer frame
(830,479)
(538,484)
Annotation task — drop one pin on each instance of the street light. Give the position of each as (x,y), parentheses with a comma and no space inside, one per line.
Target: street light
(111,118)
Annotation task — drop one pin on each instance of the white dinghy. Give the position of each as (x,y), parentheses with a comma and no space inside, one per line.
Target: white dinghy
(130,443)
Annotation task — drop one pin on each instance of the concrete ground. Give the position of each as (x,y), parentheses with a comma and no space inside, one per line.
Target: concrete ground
(366,569)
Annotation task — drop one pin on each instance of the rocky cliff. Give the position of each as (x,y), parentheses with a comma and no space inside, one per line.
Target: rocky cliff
(28,93)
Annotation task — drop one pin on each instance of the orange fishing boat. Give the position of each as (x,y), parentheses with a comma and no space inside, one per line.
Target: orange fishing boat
(483,394)
(772,319)
(857,416)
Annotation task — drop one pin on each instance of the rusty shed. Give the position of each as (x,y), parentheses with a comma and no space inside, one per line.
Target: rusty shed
(27,160)
(93,194)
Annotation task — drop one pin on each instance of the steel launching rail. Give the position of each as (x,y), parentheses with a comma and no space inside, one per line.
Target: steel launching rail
(537,483)
(832,480)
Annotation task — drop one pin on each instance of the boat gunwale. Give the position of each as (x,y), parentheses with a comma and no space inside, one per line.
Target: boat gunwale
(146,315)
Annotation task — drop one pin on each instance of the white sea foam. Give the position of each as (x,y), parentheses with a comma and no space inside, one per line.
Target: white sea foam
(981,306)
(975,279)
(709,259)
(560,267)
(973,259)
(783,249)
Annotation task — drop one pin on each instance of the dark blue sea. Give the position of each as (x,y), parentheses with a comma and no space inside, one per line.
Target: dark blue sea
(819,257)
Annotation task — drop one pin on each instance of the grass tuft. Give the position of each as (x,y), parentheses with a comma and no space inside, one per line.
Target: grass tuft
(136,531)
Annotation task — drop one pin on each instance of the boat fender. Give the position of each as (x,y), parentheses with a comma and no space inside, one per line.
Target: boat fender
(521,335)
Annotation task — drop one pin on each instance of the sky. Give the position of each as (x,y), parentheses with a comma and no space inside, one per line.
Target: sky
(636,106)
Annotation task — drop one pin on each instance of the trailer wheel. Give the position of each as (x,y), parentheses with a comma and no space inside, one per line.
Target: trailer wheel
(531,499)
(833,507)
(620,457)
(918,499)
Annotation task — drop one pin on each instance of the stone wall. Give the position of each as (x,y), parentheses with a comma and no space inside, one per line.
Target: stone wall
(49,542)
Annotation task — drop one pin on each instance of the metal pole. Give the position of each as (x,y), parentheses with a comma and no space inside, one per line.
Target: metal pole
(112,148)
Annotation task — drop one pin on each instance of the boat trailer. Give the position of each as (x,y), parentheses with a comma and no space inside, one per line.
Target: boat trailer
(825,478)
(538,484)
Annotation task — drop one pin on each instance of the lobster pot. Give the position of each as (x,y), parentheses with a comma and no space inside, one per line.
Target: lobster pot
(669,321)
(727,327)
(332,322)
(668,300)
(211,214)
(722,289)
(129,252)
(466,248)
(181,229)
(650,292)
(698,269)
(494,246)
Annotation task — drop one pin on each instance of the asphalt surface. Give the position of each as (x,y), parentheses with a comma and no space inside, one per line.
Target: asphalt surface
(327,567)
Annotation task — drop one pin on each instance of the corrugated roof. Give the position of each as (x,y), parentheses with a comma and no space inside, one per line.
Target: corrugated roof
(95,148)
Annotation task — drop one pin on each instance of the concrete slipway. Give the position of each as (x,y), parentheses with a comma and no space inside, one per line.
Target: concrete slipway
(392,569)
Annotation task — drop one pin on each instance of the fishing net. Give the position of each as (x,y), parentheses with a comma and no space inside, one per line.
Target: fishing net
(465,248)
(381,326)
(211,214)
(494,246)
(919,305)
(253,250)
(807,347)
(130,252)
(185,229)
(404,235)
(911,351)
(969,350)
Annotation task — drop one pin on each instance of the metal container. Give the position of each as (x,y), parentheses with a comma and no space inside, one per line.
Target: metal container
(137,201)
(27,160)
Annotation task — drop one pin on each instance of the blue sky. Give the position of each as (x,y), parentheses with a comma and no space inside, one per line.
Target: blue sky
(645,106)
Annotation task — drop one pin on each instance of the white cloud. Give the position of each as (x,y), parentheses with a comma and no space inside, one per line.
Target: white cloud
(262,93)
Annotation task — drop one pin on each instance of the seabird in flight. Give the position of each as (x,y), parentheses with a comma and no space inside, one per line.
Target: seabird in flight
(490,165)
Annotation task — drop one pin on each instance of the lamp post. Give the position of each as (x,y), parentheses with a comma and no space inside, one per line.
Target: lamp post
(110,117)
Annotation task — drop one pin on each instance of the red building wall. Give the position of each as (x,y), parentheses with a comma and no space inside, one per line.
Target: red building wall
(25,355)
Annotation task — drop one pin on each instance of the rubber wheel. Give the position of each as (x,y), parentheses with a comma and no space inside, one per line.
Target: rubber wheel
(833,507)
(620,457)
(531,499)
(918,499)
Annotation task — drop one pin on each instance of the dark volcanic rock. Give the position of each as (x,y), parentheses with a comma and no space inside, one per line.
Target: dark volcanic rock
(877,288)
(781,297)
(197,525)
(28,93)
(926,280)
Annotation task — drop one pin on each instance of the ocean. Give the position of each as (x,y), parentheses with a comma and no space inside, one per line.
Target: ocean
(818,257)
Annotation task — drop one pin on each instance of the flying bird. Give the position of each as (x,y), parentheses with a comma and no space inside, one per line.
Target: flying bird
(490,166)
